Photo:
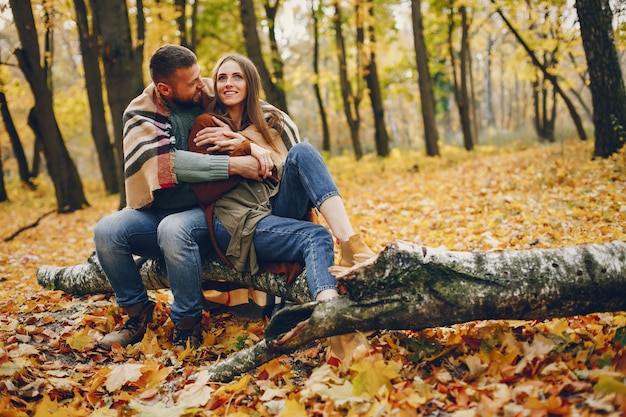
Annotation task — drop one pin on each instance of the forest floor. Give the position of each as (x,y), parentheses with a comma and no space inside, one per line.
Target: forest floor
(519,197)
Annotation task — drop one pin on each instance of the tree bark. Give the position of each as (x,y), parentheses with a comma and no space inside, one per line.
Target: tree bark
(316,14)
(407,287)
(93,83)
(16,145)
(351,101)
(122,65)
(608,93)
(431,136)
(67,184)
(381,137)
(273,93)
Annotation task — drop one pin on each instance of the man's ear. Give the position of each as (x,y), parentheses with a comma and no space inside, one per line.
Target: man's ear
(164,89)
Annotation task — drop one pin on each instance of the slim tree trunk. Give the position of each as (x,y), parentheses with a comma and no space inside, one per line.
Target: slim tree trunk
(316,13)
(427,97)
(16,145)
(181,21)
(122,64)
(465,110)
(373,85)
(606,83)
(109,167)
(350,101)
(67,184)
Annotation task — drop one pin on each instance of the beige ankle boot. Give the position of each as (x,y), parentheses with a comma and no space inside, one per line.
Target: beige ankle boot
(354,251)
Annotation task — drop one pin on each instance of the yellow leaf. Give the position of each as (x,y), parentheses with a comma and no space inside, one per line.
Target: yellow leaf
(293,409)
(122,374)
(372,375)
(80,342)
(608,385)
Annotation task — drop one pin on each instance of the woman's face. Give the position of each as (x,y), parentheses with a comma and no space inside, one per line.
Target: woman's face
(232,88)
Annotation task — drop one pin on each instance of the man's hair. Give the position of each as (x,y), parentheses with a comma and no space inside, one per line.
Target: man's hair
(167,59)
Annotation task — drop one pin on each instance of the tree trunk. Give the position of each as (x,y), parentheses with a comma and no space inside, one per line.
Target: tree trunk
(67,184)
(316,14)
(431,136)
(466,109)
(373,85)
(273,93)
(93,82)
(608,93)
(180,6)
(122,65)
(459,81)
(350,101)
(16,145)
(410,287)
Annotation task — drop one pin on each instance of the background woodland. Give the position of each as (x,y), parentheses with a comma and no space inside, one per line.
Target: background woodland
(358,77)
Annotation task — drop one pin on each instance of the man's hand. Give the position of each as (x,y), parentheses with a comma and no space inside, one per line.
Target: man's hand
(246,166)
(218,139)
(265,159)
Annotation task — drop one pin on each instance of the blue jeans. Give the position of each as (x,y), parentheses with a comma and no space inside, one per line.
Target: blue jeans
(285,236)
(177,236)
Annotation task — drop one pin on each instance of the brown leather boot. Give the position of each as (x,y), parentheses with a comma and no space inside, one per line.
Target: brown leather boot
(188,332)
(139,316)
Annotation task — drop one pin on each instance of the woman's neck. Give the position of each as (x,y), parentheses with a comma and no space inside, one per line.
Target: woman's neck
(235,114)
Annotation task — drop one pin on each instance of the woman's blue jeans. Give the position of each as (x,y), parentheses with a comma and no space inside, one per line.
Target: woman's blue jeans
(285,236)
(177,236)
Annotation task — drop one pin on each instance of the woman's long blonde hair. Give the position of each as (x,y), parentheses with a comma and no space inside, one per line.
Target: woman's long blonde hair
(253,113)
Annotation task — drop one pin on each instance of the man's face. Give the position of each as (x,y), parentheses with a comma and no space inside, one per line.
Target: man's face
(185,87)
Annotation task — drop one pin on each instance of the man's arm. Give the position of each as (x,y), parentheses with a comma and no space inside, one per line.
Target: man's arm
(195,167)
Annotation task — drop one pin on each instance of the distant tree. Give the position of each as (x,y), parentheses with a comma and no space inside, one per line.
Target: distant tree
(16,145)
(67,184)
(351,101)
(546,73)
(370,74)
(427,97)
(123,63)
(109,167)
(461,76)
(317,13)
(272,78)
(605,76)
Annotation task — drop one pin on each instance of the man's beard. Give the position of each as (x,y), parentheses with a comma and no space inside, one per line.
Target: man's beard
(189,103)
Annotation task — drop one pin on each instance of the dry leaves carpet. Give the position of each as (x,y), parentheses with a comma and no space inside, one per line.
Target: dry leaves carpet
(542,196)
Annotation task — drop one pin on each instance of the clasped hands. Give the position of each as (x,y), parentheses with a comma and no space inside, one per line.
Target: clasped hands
(221,139)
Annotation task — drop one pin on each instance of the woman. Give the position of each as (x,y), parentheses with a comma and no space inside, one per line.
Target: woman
(264,221)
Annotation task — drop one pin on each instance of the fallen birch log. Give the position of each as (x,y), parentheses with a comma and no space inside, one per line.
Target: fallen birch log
(411,287)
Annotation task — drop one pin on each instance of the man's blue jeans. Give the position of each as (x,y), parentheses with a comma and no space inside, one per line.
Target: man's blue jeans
(285,236)
(177,236)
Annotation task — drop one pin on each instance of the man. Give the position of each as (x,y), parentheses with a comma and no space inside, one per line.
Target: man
(162,217)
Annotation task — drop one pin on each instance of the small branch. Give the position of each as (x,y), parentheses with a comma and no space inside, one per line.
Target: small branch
(29,226)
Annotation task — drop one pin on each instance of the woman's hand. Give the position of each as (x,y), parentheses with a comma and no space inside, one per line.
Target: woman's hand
(265,159)
(218,139)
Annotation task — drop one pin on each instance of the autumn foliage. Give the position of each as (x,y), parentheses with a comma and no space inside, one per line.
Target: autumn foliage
(490,199)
